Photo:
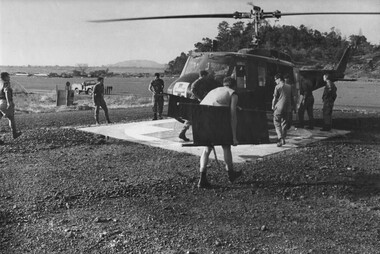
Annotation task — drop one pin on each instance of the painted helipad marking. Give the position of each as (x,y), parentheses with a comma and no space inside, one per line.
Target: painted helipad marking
(164,134)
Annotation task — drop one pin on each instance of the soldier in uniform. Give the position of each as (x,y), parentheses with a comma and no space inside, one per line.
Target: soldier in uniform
(157,89)
(99,101)
(282,104)
(328,97)
(199,90)
(287,79)
(306,103)
(7,106)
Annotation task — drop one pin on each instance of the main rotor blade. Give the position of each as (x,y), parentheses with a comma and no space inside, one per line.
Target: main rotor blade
(234,15)
(327,13)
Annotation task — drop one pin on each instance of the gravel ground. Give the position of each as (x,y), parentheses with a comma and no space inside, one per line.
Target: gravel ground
(66,191)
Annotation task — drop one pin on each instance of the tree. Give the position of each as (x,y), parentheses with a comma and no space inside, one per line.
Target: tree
(82,68)
(204,46)
(175,66)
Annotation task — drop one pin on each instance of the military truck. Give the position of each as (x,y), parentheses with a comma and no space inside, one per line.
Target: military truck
(87,87)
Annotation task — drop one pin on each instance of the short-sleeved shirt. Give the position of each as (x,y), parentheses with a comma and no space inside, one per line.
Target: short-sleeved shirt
(98,90)
(329,93)
(220,96)
(282,98)
(98,93)
(157,85)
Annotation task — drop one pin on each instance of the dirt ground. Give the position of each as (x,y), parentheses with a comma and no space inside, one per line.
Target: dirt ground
(66,191)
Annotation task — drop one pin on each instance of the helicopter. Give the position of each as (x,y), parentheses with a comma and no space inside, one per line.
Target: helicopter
(253,69)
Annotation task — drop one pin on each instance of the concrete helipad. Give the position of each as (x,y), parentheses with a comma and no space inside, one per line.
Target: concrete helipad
(164,134)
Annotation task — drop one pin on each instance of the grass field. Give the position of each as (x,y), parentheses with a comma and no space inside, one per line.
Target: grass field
(41,96)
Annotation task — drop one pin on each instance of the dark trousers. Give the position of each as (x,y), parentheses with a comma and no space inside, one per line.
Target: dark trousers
(158,104)
(327,113)
(101,103)
(307,106)
(280,121)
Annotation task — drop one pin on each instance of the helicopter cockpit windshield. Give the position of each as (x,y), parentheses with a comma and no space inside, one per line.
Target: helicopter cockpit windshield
(217,67)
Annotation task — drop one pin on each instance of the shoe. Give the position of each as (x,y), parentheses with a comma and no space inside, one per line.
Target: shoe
(16,135)
(325,129)
(203,183)
(279,143)
(283,141)
(233,175)
(109,121)
(183,137)
(160,117)
(97,123)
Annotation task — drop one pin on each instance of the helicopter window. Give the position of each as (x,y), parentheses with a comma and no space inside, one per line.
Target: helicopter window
(218,69)
(262,75)
(240,76)
(193,65)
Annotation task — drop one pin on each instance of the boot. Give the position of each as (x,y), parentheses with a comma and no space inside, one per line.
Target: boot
(203,183)
(16,134)
(154,117)
(182,136)
(233,175)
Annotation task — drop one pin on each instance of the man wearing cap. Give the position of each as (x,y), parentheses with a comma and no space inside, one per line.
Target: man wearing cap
(156,86)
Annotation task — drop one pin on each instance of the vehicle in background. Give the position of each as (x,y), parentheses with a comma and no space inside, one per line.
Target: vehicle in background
(40,75)
(22,74)
(87,87)
(53,75)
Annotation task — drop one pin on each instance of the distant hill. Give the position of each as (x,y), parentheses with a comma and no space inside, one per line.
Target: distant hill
(138,64)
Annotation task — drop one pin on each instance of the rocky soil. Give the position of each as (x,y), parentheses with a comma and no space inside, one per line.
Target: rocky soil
(67,191)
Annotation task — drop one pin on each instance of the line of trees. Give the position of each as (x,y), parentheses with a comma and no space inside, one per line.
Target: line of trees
(301,43)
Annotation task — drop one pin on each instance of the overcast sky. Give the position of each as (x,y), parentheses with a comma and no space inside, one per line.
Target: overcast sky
(56,32)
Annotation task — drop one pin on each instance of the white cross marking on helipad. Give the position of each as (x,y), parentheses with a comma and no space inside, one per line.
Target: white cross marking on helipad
(164,134)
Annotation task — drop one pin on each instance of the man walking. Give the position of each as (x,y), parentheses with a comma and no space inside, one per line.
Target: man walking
(99,100)
(281,105)
(7,106)
(328,97)
(157,89)
(221,97)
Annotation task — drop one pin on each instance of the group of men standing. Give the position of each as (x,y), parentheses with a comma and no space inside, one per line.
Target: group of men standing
(284,103)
